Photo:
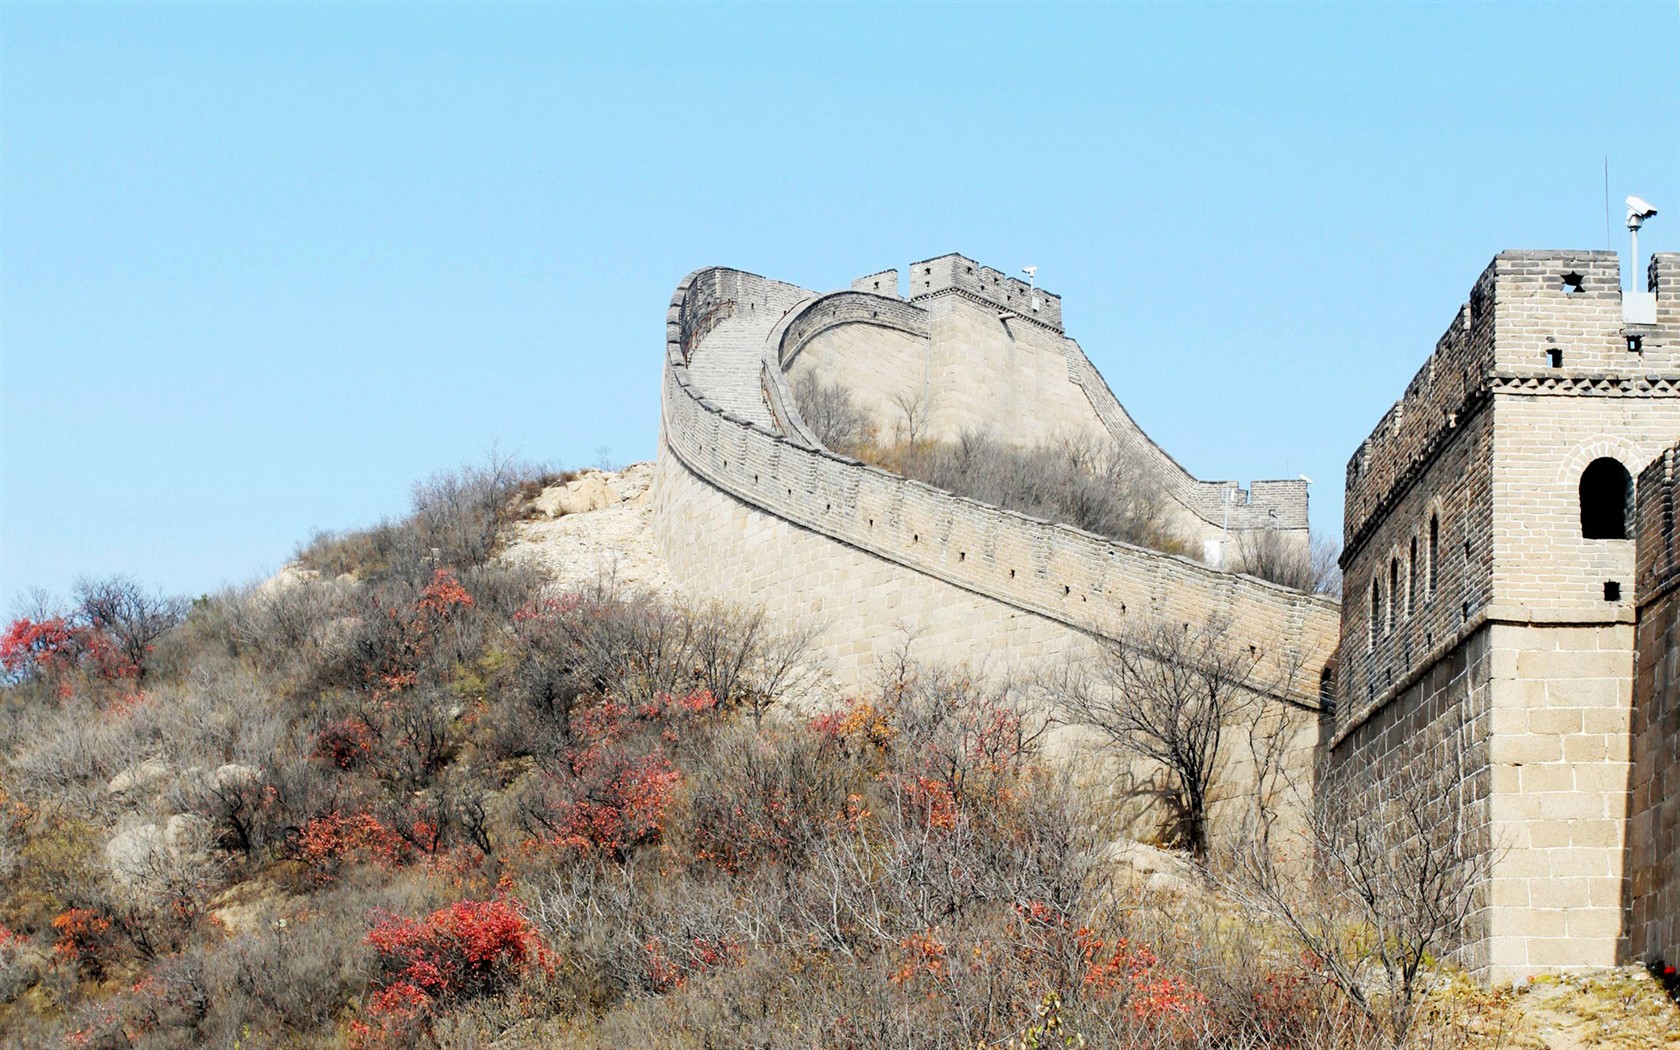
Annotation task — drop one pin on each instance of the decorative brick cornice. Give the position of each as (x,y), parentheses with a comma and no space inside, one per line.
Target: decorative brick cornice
(1605,385)
(1508,383)
(1019,315)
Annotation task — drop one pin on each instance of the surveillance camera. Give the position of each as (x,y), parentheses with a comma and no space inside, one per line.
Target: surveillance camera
(1030,271)
(1638,208)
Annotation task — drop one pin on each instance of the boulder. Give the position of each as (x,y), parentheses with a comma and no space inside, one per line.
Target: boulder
(138,777)
(289,576)
(132,853)
(1159,870)
(137,853)
(233,775)
(579,496)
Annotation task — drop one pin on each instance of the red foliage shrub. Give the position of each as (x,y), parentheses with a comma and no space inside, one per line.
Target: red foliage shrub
(444,595)
(30,646)
(930,800)
(330,841)
(55,646)
(466,949)
(84,938)
(924,956)
(1130,971)
(858,723)
(345,742)
(413,631)
(624,803)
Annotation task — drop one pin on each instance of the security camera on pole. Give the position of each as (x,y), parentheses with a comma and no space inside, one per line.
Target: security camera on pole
(1638,307)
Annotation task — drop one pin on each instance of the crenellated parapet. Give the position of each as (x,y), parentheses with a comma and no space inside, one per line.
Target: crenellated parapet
(1501,559)
(1022,570)
(958,275)
(1548,323)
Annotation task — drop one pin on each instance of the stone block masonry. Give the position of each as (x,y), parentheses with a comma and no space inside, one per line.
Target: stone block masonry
(1510,623)
(749,512)
(1490,594)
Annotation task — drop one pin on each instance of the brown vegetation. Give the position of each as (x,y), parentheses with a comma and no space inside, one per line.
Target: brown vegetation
(434,804)
(1087,484)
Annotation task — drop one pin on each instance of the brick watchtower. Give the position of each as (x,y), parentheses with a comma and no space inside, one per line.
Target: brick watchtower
(1490,606)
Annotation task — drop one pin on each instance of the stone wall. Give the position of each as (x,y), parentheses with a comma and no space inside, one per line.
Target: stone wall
(873,561)
(865,609)
(1653,851)
(970,353)
(1034,566)
(1475,599)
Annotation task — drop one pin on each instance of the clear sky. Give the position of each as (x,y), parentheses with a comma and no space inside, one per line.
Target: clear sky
(264,267)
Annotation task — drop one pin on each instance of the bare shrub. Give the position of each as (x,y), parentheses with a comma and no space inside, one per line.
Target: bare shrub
(132,617)
(1092,486)
(1270,555)
(1168,694)
(456,519)
(828,409)
(913,406)
(1397,868)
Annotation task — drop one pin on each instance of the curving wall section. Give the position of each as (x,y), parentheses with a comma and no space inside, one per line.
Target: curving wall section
(747,514)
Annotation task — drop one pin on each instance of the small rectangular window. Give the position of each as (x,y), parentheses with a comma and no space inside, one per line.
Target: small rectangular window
(1612,591)
(1554,358)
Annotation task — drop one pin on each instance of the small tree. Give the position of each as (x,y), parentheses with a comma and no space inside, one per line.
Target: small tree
(129,615)
(828,409)
(914,405)
(1167,693)
(1396,866)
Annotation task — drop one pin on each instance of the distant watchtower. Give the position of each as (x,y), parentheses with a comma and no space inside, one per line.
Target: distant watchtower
(1489,600)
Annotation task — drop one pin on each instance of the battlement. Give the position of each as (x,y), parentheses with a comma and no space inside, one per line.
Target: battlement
(958,274)
(884,283)
(1543,322)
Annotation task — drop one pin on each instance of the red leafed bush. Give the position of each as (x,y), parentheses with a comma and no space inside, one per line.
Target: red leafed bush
(327,842)
(467,949)
(444,595)
(56,646)
(29,646)
(859,722)
(345,742)
(84,938)
(624,801)
(923,956)
(1132,973)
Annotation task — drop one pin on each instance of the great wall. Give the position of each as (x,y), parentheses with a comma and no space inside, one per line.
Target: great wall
(1510,611)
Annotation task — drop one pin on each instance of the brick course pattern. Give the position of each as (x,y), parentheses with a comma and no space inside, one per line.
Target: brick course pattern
(750,512)
(1478,614)
(1487,629)
(1653,853)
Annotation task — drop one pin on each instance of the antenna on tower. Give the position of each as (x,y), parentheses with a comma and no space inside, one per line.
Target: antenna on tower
(1607,245)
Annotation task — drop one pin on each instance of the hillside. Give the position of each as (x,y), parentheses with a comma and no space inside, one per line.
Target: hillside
(481,777)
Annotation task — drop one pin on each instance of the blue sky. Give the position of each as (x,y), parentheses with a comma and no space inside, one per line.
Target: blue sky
(261,268)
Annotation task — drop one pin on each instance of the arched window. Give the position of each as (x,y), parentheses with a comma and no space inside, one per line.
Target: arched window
(1376,615)
(1393,592)
(1411,578)
(1606,500)
(1434,553)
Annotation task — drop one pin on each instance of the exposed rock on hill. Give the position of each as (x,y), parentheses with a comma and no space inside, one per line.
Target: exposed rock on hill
(598,525)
